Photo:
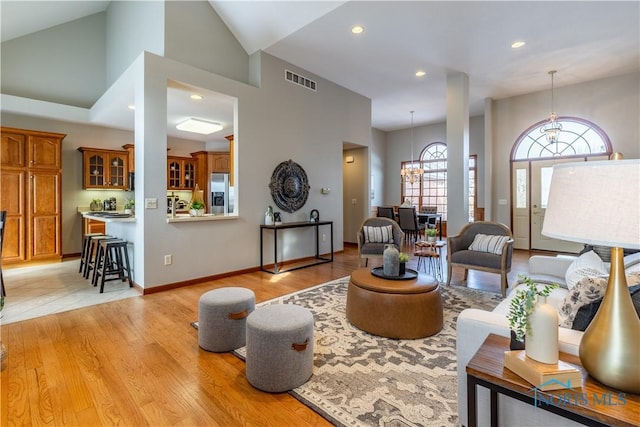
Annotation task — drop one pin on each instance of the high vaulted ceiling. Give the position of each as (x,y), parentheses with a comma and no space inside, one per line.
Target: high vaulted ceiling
(583,41)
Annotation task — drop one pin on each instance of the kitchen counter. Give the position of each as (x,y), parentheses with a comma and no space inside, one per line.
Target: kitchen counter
(110,216)
(206,217)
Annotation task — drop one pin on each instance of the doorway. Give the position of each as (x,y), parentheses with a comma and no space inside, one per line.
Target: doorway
(532,161)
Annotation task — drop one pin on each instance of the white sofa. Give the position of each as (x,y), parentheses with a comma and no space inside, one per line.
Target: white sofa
(475,325)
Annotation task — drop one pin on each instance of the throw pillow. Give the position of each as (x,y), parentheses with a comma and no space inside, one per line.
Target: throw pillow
(382,234)
(488,243)
(586,313)
(586,291)
(632,263)
(588,264)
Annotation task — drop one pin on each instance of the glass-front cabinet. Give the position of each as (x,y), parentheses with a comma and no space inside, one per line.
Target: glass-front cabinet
(104,168)
(181,173)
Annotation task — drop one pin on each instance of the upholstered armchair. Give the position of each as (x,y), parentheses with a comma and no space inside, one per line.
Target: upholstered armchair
(374,234)
(484,246)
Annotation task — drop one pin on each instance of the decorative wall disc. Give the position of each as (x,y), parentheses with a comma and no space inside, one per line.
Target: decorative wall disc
(289,186)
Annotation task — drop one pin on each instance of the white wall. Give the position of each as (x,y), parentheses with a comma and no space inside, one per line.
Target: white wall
(377,164)
(613,104)
(132,27)
(60,61)
(208,44)
(398,149)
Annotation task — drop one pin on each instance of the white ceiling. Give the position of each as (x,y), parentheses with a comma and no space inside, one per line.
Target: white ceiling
(583,41)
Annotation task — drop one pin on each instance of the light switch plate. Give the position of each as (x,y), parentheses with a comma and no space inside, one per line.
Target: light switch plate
(151,203)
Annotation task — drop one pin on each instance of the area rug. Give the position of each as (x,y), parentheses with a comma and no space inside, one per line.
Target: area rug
(361,379)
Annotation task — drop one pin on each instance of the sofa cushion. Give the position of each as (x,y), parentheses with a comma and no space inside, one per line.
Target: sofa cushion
(632,263)
(375,248)
(587,312)
(382,234)
(586,291)
(484,259)
(588,264)
(488,243)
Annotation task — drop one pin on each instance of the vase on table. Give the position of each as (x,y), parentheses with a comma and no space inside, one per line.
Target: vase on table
(403,269)
(391,261)
(541,340)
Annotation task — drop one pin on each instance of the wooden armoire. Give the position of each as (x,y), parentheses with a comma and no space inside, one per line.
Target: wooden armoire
(30,192)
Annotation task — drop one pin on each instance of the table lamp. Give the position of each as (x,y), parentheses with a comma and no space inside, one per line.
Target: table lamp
(598,203)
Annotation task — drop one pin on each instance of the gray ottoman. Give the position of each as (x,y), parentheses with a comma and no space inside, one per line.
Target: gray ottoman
(279,347)
(222,316)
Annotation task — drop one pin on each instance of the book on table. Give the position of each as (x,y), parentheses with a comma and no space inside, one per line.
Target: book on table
(543,376)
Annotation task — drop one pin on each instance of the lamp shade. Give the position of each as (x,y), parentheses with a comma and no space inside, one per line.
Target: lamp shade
(596,203)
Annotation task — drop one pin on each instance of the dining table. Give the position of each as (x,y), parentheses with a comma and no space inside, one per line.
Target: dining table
(423,218)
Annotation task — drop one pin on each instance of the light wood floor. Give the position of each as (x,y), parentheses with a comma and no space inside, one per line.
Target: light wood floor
(136,361)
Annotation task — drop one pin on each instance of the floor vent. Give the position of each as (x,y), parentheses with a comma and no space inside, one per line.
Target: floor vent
(300,80)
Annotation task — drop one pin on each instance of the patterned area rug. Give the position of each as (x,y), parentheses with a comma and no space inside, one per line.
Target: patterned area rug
(361,379)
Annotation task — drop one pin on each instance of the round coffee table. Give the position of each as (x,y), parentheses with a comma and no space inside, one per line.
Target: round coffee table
(405,309)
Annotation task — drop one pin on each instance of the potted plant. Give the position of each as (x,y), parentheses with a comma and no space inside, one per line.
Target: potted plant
(196,208)
(403,258)
(521,307)
(128,206)
(431,233)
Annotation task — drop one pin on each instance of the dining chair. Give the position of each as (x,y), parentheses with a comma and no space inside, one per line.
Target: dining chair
(386,212)
(408,221)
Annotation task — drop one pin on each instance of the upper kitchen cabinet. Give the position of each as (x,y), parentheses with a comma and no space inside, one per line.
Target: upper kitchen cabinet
(30,178)
(131,151)
(181,173)
(106,169)
(219,161)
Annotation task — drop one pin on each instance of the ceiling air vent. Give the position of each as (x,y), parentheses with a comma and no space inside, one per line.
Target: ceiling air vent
(300,80)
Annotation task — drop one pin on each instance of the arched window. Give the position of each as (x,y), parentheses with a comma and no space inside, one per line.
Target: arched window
(578,138)
(432,189)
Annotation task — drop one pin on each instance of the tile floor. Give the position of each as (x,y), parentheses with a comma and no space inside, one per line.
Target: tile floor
(52,288)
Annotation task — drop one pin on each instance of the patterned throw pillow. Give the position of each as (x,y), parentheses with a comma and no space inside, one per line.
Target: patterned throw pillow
(586,291)
(383,234)
(586,313)
(589,264)
(488,243)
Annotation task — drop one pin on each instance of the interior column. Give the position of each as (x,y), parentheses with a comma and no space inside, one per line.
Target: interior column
(457,152)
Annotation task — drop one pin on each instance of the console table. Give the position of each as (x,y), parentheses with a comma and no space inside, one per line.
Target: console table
(593,404)
(289,225)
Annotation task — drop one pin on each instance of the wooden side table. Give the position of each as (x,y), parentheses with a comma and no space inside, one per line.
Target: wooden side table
(592,404)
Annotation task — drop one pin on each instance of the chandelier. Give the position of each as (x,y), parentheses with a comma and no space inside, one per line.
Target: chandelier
(410,173)
(552,128)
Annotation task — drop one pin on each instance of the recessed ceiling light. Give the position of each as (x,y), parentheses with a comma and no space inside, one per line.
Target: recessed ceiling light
(196,97)
(357,29)
(420,73)
(517,44)
(199,126)
(131,107)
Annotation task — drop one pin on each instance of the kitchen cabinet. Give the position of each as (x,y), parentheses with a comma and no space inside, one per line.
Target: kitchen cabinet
(104,168)
(93,226)
(219,162)
(202,177)
(131,151)
(181,173)
(30,178)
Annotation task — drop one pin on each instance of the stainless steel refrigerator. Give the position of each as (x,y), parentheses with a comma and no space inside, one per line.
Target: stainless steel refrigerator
(220,194)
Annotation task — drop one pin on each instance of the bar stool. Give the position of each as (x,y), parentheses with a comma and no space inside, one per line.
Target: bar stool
(91,254)
(112,259)
(84,255)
